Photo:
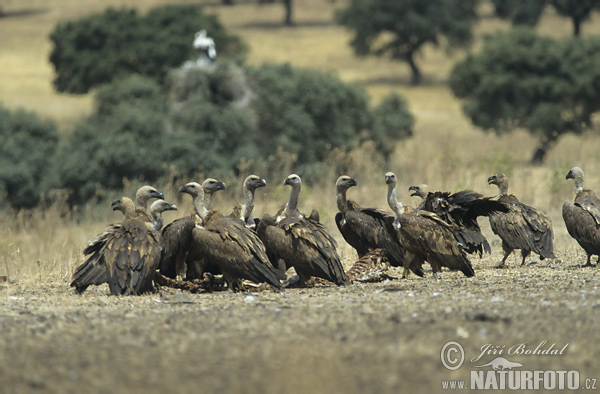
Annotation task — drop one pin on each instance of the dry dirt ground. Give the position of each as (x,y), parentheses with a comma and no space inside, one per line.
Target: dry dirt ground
(377,337)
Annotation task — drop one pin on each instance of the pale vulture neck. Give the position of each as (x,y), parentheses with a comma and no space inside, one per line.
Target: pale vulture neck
(142,200)
(578,185)
(207,201)
(292,205)
(393,202)
(158,221)
(248,204)
(199,207)
(503,188)
(342,202)
(128,209)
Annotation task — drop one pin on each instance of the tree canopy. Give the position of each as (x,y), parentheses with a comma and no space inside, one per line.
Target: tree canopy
(26,155)
(399,29)
(101,48)
(523,80)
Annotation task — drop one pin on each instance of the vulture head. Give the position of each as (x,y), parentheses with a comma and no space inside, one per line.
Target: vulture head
(156,210)
(293,181)
(125,205)
(160,206)
(253,182)
(501,181)
(390,179)
(576,174)
(345,182)
(146,193)
(419,191)
(194,189)
(211,185)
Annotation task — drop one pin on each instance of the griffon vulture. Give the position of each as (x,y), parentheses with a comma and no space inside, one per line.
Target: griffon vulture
(142,196)
(582,218)
(425,236)
(301,242)
(125,255)
(244,211)
(367,229)
(522,227)
(461,209)
(177,235)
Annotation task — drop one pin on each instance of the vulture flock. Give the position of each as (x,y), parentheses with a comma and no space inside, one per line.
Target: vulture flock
(242,250)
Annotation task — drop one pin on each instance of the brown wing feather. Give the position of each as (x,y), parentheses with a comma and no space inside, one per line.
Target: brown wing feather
(237,250)
(524,227)
(132,257)
(582,226)
(304,244)
(425,234)
(176,238)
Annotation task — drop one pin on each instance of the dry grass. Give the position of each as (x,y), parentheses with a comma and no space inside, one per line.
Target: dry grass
(446,151)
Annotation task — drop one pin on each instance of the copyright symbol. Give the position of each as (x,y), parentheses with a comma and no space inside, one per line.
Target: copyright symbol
(453,355)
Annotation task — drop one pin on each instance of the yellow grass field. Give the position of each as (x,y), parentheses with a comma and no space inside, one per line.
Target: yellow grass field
(365,338)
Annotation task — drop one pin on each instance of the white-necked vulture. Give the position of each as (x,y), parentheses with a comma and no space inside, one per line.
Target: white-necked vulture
(425,236)
(522,227)
(582,218)
(129,252)
(142,196)
(179,252)
(367,229)
(301,242)
(243,212)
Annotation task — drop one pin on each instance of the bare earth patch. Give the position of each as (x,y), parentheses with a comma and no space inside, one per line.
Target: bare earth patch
(379,337)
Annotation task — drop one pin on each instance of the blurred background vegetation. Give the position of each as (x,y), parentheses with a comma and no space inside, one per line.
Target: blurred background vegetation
(97,99)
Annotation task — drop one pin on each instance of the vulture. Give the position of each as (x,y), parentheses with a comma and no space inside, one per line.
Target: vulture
(462,210)
(244,212)
(522,227)
(177,235)
(142,196)
(156,210)
(227,243)
(425,236)
(236,250)
(582,218)
(300,241)
(126,255)
(367,229)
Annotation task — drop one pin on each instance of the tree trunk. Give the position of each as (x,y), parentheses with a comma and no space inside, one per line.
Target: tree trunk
(539,155)
(576,27)
(416,74)
(288,13)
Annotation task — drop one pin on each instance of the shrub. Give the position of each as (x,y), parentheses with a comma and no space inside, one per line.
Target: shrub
(27,149)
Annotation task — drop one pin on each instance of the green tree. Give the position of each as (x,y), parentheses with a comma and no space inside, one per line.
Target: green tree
(393,121)
(520,12)
(578,10)
(26,153)
(305,112)
(117,43)
(522,80)
(122,139)
(400,28)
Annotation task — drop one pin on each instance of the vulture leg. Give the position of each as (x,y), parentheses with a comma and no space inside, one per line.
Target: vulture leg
(589,261)
(507,251)
(524,253)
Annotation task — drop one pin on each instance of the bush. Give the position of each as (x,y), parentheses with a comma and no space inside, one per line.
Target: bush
(109,46)
(27,150)
(305,112)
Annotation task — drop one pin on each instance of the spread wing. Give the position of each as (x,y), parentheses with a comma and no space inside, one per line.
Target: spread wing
(132,257)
